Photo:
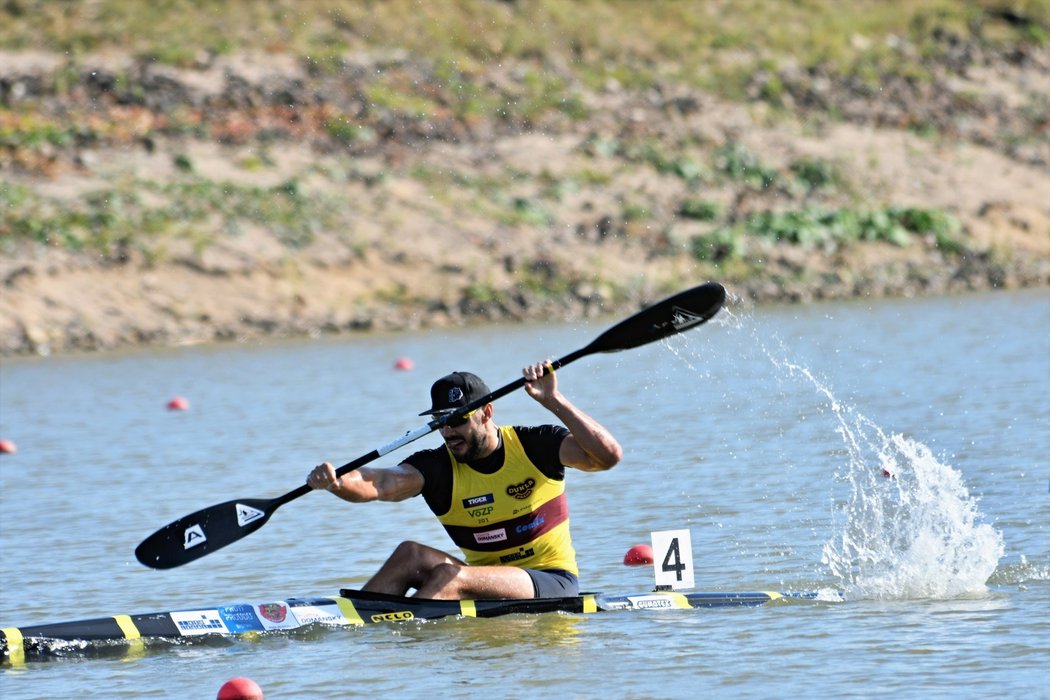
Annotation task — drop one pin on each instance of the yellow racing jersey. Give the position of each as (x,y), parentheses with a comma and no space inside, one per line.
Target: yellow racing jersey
(515,516)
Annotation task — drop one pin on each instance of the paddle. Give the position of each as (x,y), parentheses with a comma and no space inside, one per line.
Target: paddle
(207,530)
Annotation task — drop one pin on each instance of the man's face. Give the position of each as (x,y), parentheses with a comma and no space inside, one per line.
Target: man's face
(466,441)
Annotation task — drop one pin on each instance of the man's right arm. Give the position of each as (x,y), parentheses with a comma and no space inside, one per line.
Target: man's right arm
(368,483)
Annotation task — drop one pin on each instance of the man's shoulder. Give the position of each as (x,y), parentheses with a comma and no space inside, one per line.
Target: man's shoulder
(429,458)
(541,432)
(542,446)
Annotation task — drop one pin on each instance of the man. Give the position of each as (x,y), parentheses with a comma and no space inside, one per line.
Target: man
(499,492)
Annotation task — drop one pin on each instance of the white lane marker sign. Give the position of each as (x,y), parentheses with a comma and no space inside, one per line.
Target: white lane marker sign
(673,559)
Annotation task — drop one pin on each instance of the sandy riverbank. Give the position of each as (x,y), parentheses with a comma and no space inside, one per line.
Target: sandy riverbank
(435,222)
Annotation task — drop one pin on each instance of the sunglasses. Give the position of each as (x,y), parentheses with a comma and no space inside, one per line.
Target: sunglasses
(458,421)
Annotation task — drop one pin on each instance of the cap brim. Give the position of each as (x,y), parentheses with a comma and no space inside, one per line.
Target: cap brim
(438,412)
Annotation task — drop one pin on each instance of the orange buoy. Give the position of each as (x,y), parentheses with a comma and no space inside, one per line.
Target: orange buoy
(240,689)
(8,447)
(178,403)
(638,555)
(404,364)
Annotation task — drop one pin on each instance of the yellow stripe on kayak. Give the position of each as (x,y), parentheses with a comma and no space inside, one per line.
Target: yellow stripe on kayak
(679,600)
(349,611)
(136,645)
(590,604)
(16,652)
(773,595)
(127,627)
(467,608)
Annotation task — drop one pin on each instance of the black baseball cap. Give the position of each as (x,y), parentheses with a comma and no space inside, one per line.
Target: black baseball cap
(454,391)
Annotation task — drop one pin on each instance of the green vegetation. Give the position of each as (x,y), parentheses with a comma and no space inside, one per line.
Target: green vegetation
(638,44)
(737,163)
(136,213)
(832,228)
(493,65)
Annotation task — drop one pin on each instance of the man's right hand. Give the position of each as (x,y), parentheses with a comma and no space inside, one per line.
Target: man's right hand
(322,477)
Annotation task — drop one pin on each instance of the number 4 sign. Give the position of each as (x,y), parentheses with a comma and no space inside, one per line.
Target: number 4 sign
(673,559)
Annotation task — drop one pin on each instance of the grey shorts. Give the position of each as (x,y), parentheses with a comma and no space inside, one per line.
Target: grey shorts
(554,583)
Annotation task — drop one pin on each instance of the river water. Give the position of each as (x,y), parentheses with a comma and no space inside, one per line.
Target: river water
(895,450)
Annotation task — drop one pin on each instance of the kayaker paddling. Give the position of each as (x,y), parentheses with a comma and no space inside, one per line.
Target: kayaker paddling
(498,491)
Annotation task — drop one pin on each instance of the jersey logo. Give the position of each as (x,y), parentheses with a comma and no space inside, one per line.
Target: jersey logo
(523,490)
(498,535)
(475,501)
(522,553)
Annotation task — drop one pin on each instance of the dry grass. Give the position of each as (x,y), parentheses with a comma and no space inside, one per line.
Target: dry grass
(592,36)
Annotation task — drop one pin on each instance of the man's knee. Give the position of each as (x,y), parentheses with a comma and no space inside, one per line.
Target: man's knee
(446,572)
(408,550)
(444,581)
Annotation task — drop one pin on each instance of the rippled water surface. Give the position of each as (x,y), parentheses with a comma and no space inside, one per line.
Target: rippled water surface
(895,451)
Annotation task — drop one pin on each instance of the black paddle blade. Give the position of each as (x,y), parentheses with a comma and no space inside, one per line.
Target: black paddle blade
(663,319)
(203,532)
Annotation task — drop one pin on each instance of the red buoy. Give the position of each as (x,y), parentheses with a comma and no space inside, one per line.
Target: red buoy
(178,403)
(404,364)
(240,689)
(638,555)
(8,447)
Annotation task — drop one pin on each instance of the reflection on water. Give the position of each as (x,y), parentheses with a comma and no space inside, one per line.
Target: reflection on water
(497,637)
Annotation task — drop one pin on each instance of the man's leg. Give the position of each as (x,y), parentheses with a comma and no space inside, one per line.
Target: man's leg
(435,574)
(410,566)
(458,581)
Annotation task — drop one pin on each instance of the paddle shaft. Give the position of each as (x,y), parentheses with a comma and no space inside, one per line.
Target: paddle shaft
(207,530)
(424,430)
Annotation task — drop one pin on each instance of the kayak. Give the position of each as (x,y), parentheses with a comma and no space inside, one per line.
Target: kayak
(119,633)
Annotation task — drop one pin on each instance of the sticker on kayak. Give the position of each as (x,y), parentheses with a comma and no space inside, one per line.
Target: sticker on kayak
(651,602)
(240,618)
(274,616)
(193,536)
(194,622)
(247,514)
(308,613)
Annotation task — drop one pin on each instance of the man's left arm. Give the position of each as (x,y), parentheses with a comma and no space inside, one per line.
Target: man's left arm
(589,446)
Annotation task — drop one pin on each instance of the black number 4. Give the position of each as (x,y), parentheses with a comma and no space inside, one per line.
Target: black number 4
(673,560)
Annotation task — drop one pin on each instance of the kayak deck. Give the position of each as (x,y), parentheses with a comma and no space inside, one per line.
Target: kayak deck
(350,607)
(379,607)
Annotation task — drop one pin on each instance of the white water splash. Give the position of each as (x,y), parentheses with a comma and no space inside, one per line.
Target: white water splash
(908,528)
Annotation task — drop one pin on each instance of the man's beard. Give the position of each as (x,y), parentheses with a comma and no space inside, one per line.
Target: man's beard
(470,448)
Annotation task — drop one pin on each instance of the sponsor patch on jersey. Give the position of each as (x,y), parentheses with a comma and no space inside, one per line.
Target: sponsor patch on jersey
(240,618)
(530,526)
(475,501)
(522,553)
(498,535)
(194,622)
(523,490)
